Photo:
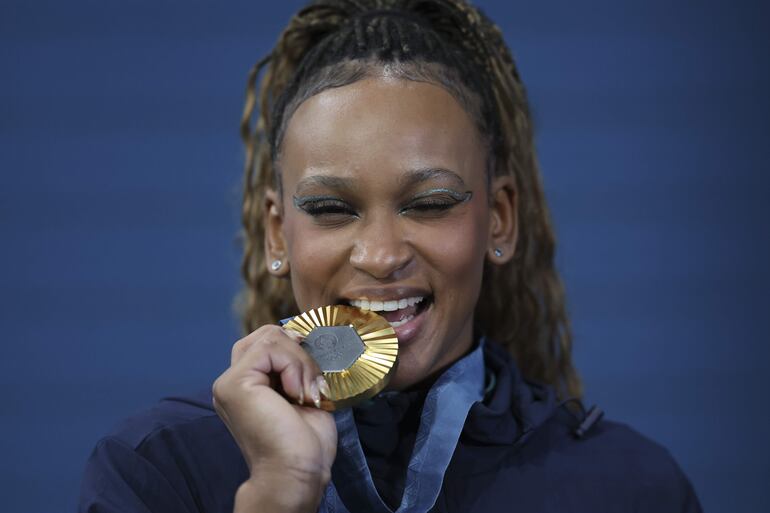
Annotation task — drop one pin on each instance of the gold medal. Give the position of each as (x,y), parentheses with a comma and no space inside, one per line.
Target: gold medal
(356,349)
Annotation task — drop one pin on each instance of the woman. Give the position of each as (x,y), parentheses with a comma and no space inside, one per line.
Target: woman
(392,167)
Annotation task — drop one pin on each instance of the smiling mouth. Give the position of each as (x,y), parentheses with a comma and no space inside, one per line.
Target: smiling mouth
(397,311)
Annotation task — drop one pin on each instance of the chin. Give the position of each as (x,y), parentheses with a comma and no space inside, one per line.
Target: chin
(410,373)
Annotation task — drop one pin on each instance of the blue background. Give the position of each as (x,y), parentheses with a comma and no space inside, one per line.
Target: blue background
(120,172)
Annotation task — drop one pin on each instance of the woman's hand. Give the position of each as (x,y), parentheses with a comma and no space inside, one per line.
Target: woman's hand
(288,448)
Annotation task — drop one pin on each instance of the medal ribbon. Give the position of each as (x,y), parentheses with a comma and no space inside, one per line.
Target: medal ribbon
(441,422)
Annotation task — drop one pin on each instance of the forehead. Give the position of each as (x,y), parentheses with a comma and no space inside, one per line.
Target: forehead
(378,128)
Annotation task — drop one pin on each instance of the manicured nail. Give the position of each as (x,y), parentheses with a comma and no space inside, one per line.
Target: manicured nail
(323,386)
(314,395)
(293,335)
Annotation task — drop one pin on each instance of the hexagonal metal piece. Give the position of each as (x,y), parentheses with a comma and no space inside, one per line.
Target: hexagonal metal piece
(334,348)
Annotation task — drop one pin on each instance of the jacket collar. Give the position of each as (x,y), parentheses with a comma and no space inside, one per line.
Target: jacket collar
(513,409)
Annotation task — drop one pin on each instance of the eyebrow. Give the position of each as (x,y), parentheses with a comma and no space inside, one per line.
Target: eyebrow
(409,179)
(418,176)
(331,182)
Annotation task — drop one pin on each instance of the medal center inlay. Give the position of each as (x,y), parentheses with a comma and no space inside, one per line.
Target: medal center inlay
(334,348)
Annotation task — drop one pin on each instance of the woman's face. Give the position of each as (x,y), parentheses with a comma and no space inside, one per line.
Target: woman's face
(385,205)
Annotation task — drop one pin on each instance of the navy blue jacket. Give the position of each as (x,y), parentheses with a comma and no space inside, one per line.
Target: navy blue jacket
(517,452)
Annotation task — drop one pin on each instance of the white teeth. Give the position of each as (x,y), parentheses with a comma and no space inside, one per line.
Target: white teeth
(396,324)
(390,306)
(387,306)
(414,300)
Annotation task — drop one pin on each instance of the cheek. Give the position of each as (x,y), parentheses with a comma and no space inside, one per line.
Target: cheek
(315,257)
(457,251)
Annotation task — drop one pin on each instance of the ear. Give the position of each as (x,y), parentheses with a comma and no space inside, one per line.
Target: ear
(504,223)
(276,255)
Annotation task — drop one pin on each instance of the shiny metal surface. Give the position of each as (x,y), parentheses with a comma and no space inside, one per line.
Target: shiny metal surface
(357,351)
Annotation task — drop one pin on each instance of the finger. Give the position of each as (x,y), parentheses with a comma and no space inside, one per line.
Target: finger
(298,377)
(267,331)
(292,382)
(295,336)
(277,354)
(310,374)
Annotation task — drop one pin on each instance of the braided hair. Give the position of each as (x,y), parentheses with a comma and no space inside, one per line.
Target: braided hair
(450,43)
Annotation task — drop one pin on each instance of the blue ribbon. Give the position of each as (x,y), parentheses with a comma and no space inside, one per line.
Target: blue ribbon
(443,417)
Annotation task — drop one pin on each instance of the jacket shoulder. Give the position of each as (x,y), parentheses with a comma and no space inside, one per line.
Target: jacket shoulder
(625,468)
(169,414)
(621,447)
(177,456)
(521,442)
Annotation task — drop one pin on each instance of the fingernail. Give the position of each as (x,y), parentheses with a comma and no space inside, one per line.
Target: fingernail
(301,399)
(293,335)
(314,395)
(323,386)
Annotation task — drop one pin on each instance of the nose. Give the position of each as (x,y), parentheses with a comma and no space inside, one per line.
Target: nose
(381,250)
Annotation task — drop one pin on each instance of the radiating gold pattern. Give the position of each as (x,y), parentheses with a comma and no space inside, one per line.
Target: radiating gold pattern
(372,370)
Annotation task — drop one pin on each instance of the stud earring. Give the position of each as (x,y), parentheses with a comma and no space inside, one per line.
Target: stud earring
(498,252)
(275,265)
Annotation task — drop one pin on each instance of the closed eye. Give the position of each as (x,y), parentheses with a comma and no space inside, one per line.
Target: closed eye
(435,202)
(325,209)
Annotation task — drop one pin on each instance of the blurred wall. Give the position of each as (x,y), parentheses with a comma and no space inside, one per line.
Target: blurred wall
(119,197)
